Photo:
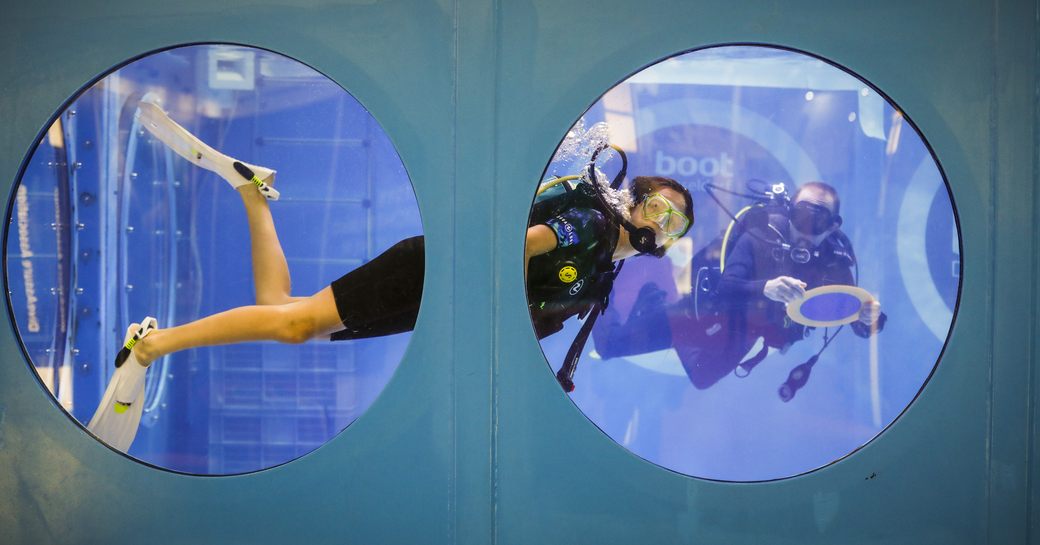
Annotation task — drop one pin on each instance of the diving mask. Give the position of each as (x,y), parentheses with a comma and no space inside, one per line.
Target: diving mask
(663,212)
(811,219)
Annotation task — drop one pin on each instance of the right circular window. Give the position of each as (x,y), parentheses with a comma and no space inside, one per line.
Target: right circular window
(791,263)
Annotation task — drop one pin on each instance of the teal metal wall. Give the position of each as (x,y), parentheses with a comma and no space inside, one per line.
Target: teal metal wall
(473,441)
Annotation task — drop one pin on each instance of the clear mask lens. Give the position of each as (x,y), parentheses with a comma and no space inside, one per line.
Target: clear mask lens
(661,211)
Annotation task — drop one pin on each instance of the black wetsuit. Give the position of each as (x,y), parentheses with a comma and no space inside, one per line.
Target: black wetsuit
(382,296)
(713,340)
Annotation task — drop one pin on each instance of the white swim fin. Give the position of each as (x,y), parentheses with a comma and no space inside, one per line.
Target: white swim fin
(118,415)
(152,117)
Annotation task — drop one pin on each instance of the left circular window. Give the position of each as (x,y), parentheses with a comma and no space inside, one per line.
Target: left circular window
(152,237)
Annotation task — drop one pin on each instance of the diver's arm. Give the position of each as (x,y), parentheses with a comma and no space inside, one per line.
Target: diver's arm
(738,277)
(541,239)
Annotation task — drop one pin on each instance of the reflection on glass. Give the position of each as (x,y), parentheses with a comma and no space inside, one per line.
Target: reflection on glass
(154,195)
(810,300)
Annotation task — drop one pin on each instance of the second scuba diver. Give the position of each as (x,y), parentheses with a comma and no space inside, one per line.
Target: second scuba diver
(784,248)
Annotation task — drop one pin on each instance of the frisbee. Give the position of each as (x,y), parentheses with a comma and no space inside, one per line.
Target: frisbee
(829,306)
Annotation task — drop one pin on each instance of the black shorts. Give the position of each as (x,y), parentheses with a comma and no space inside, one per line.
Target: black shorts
(382,296)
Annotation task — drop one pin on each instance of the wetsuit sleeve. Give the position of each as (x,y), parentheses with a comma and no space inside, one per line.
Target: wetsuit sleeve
(577,226)
(738,279)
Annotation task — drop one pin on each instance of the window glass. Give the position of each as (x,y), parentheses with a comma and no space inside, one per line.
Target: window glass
(156,193)
(804,309)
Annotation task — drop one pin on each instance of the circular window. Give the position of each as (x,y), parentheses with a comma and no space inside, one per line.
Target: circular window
(153,233)
(791,263)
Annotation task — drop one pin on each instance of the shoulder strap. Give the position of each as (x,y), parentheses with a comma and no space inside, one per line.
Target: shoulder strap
(565,376)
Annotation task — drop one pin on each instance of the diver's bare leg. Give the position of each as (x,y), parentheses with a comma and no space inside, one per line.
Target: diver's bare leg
(271,279)
(292,322)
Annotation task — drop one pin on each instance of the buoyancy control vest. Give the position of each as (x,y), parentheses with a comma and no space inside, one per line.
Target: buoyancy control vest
(579,272)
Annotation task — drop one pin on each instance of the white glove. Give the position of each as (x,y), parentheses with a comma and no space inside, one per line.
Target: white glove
(870,312)
(784,289)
